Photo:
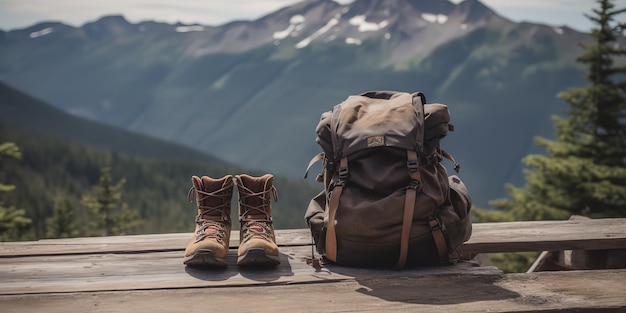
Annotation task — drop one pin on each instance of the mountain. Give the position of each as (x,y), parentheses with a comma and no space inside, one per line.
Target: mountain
(64,154)
(251,92)
(21,111)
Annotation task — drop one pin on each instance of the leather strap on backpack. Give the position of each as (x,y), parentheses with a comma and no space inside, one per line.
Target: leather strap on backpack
(457,167)
(318,157)
(409,206)
(331,236)
(438,230)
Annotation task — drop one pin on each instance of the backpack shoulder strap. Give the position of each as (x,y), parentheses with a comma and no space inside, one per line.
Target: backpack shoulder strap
(333,204)
(418,101)
(409,206)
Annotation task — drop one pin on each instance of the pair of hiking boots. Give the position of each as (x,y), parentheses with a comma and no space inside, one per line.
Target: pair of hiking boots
(209,245)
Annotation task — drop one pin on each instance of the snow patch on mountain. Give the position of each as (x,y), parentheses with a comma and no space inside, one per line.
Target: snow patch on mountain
(435,18)
(187,29)
(332,23)
(365,26)
(42,32)
(353,41)
(296,23)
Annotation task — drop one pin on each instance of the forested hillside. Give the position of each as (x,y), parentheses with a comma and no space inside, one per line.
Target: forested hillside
(63,156)
(155,189)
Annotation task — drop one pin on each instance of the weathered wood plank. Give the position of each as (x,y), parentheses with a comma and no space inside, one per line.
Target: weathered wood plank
(592,234)
(588,291)
(145,274)
(131,244)
(165,270)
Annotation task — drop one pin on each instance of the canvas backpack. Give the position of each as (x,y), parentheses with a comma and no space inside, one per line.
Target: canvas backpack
(387,199)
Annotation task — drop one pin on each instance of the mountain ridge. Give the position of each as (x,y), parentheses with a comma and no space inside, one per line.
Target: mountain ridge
(252,92)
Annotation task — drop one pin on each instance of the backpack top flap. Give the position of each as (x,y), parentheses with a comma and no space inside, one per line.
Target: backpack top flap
(437,125)
(370,120)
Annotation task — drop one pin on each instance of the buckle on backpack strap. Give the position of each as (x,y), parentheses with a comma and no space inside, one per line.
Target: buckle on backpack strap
(416,185)
(413,165)
(434,223)
(343,173)
(432,159)
(341,183)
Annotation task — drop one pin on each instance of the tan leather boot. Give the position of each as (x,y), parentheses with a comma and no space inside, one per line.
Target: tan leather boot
(257,240)
(209,245)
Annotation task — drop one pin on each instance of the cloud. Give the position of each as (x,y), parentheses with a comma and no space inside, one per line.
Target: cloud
(569,5)
(22,13)
(553,12)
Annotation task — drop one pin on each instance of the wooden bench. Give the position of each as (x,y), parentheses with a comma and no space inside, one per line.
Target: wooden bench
(144,273)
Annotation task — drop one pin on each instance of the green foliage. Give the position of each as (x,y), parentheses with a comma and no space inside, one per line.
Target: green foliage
(12,220)
(10,150)
(584,169)
(480,215)
(13,223)
(512,262)
(62,223)
(112,216)
(154,189)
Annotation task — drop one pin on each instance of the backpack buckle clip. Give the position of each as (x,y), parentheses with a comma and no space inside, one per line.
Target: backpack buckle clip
(338,183)
(343,173)
(416,185)
(432,159)
(434,223)
(412,165)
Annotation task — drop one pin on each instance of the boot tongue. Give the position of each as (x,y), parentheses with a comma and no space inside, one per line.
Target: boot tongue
(206,185)
(261,186)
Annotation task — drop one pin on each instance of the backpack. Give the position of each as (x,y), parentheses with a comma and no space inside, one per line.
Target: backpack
(385,189)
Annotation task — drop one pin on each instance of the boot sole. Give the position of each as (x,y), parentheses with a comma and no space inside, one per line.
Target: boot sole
(204,258)
(257,257)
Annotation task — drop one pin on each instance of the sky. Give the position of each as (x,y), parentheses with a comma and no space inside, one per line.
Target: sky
(16,14)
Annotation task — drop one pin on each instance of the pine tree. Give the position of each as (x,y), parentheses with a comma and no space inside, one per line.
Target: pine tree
(62,223)
(12,220)
(584,169)
(127,220)
(9,150)
(111,215)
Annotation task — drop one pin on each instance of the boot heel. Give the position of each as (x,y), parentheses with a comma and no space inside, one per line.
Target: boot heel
(204,258)
(257,257)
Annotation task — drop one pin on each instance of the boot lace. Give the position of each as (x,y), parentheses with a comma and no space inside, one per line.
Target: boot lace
(209,226)
(256,227)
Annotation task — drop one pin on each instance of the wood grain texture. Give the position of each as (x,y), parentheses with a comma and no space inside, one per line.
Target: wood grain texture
(131,244)
(145,273)
(590,234)
(587,291)
(165,270)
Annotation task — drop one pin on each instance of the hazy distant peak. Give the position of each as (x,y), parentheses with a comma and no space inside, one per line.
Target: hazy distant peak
(476,11)
(107,26)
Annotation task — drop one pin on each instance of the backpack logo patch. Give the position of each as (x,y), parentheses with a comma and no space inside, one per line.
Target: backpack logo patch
(375,141)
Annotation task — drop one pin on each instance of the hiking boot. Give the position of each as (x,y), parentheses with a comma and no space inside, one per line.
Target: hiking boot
(257,245)
(209,245)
